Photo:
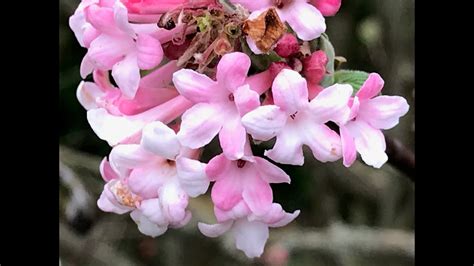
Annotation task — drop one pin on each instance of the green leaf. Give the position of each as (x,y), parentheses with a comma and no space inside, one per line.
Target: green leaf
(260,62)
(355,78)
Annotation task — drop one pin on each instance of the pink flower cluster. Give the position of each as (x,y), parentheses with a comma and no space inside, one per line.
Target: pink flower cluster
(159,115)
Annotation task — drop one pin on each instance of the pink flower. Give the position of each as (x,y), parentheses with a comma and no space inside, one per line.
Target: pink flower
(327,7)
(219,104)
(250,231)
(296,122)
(163,6)
(314,67)
(370,113)
(304,18)
(114,44)
(117,119)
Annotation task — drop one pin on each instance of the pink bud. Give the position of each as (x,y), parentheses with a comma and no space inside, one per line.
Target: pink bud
(327,7)
(276,67)
(314,67)
(287,46)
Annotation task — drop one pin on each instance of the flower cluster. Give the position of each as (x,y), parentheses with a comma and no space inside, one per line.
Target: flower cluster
(169,76)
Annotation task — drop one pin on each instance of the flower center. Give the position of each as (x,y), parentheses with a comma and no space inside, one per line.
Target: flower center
(241,163)
(293,115)
(124,195)
(231,97)
(281,3)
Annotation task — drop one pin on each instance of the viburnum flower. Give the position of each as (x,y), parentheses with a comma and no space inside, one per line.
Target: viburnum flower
(117,119)
(219,104)
(114,44)
(370,113)
(243,198)
(296,122)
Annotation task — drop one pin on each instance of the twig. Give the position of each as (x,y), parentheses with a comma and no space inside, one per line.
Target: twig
(401,157)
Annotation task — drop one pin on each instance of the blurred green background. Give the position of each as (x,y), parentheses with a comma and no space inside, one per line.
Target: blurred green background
(355,216)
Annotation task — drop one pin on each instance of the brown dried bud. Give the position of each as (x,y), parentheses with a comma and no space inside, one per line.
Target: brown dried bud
(265,30)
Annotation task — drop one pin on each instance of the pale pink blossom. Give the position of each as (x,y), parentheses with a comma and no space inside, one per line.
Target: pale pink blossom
(327,7)
(117,119)
(114,44)
(305,19)
(370,113)
(219,104)
(296,122)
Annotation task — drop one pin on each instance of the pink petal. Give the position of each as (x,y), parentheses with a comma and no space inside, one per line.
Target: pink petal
(371,87)
(217,166)
(145,226)
(197,87)
(240,210)
(264,122)
(369,142)
(304,19)
(87,94)
(192,176)
(349,153)
(183,222)
(173,201)
(127,156)
(327,7)
(127,75)
(260,82)
(151,209)
(102,19)
(354,104)
(232,138)
(150,52)
(110,128)
(214,230)
(323,142)
(200,124)
(145,181)
(288,147)
(290,91)
(227,191)
(257,194)
(145,99)
(270,172)
(331,104)
(246,99)
(161,77)
(108,203)
(232,70)
(250,237)
(105,51)
(286,219)
(106,171)
(78,25)
(161,140)
(253,5)
(383,112)
(121,19)
(87,66)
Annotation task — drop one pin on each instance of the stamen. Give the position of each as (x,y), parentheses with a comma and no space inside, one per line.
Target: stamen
(241,163)
(231,97)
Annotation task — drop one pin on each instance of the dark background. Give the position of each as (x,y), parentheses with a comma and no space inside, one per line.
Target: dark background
(355,216)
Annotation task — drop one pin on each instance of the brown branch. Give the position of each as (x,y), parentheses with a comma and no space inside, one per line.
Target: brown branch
(401,157)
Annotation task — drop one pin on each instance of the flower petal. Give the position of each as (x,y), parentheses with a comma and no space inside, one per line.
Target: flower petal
(270,172)
(331,104)
(150,52)
(106,171)
(161,140)
(151,209)
(349,153)
(240,210)
(250,237)
(246,99)
(372,87)
(110,128)
(383,112)
(87,66)
(217,166)
(323,141)
(288,147)
(105,51)
(127,75)
(200,124)
(197,87)
(327,7)
(108,203)
(173,201)
(232,70)
(227,191)
(304,19)
(232,138)
(290,91)
(215,230)
(192,176)
(369,142)
(257,194)
(264,122)
(287,218)
(147,180)
(121,19)
(87,94)
(145,226)
(253,5)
